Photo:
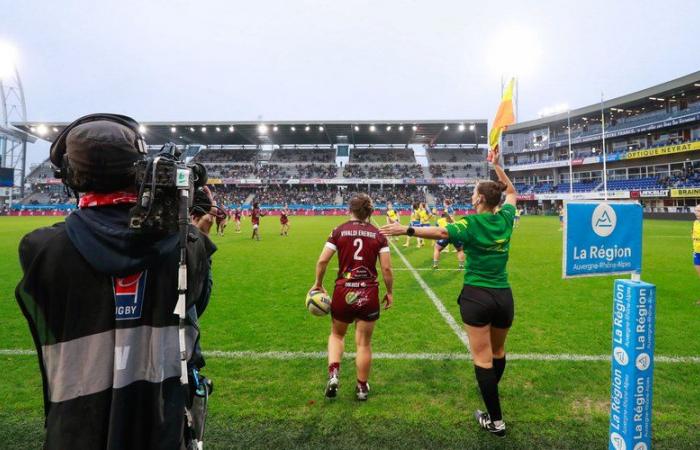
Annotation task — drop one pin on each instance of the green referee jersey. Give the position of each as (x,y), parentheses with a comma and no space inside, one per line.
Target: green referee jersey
(486,239)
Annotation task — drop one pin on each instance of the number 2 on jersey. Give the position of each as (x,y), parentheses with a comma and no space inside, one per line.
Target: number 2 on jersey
(357,243)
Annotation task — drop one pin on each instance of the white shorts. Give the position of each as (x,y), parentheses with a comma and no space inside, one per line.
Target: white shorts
(255,226)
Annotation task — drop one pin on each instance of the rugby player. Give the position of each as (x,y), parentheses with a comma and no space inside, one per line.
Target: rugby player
(392,216)
(516,219)
(222,218)
(359,245)
(237,219)
(486,300)
(284,221)
(255,215)
(696,241)
(414,222)
(442,244)
(561,217)
(425,217)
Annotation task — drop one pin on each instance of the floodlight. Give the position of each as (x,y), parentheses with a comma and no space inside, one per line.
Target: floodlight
(372,128)
(320,128)
(307,128)
(446,127)
(357,128)
(204,129)
(262,128)
(414,128)
(461,128)
(230,129)
(55,130)
(275,128)
(400,127)
(192,129)
(142,129)
(173,129)
(42,130)
(218,129)
(294,129)
(471,127)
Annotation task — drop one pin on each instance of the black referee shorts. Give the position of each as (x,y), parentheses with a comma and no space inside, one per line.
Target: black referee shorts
(481,306)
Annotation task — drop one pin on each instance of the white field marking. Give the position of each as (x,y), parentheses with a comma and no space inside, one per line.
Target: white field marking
(422,269)
(282,355)
(459,331)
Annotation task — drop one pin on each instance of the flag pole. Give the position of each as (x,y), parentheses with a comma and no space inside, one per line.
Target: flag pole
(571,169)
(605,156)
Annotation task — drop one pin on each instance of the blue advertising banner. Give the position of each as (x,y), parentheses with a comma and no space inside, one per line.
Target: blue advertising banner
(602,238)
(634,305)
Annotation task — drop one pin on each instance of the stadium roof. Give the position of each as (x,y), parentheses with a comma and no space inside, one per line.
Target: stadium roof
(665,91)
(268,132)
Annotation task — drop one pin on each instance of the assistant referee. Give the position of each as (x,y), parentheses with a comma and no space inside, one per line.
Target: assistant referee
(486,301)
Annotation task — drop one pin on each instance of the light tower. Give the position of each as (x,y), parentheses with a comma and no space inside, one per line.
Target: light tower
(13,142)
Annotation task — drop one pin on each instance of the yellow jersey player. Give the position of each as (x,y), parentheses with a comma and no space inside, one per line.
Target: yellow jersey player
(392,217)
(562,212)
(516,219)
(414,222)
(424,216)
(696,241)
(442,244)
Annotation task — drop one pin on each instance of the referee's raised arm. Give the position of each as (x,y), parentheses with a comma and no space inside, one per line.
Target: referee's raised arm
(510,192)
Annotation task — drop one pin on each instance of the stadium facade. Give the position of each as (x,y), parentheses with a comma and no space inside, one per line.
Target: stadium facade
(652,150)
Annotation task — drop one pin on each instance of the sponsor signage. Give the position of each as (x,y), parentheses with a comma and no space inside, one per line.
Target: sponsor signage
(597,195)
(526,197)
(633,317)
(685,192)
(665,150)
(602,238)
(654,193)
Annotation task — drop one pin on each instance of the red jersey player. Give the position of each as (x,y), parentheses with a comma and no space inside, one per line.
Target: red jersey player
(284,221)
(237,219)
(356,295)
(255,215)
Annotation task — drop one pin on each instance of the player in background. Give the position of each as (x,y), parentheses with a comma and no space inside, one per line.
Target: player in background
(237,218)
(255,215)
(486,301)
(442,244)
(516,219)
(414,222)
(359,245)
(284,221)
(222,218)
(561,217)
(696,241)
(392,217)
(447,208)
(425,217)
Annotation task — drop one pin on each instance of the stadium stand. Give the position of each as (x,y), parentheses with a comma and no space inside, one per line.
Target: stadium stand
(652,149)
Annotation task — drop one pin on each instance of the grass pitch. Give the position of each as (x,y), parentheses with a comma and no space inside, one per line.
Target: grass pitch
(257,306)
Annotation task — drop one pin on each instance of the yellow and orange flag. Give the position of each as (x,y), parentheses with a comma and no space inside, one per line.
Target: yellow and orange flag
(504,116)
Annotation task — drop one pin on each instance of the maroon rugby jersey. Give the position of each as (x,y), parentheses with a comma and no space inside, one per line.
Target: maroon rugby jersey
(358,245)
(255,216)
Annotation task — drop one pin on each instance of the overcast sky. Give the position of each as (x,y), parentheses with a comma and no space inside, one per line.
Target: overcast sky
(293,60)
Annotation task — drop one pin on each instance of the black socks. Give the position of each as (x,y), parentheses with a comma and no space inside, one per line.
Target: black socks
(499,365)
(488,384)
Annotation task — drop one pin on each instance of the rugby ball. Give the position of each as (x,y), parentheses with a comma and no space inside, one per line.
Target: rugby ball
(318,303)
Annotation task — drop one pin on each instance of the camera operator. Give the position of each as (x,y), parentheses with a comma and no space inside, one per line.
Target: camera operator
(99,297)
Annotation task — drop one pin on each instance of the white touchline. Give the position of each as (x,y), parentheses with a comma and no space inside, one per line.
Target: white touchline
(283,355)
(459,331)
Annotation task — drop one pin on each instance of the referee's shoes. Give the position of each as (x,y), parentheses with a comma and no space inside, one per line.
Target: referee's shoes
(487,424)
